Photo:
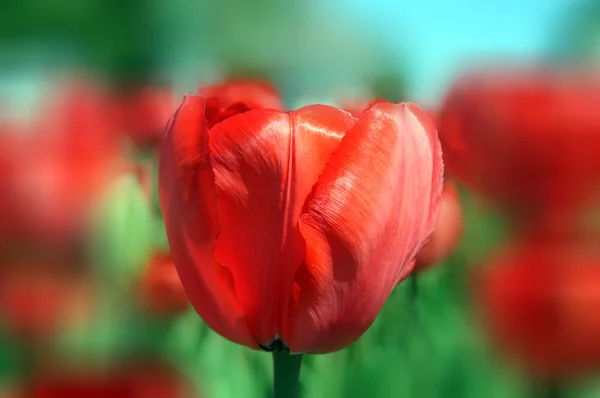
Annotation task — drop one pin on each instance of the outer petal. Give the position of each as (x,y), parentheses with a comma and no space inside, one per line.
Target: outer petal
(372,210)
(188,200)
(266,163)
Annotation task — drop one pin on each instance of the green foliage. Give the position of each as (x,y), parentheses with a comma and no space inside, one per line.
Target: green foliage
(427,341)
(11,359)
(113,37)
(125,232)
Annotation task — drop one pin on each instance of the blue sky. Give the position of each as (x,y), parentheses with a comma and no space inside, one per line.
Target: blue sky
(441,37)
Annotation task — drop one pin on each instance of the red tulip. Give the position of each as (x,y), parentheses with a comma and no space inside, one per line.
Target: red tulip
(31,305)
(236,96)
(36,299)
(297,226)
(357,108)
(144,114)
(529,139)
(447,232)
(541,300)
(161,290)
(153,380)
(55,173)
(12,148)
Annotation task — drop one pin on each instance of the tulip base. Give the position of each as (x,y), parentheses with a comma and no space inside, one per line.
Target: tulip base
(287,374)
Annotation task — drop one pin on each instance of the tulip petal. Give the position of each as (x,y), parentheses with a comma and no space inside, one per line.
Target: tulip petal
(373,208)
(188,200)
(254,94)
(318,132)
(266,163)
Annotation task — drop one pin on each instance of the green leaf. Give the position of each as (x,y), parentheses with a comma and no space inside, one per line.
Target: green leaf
(124,233)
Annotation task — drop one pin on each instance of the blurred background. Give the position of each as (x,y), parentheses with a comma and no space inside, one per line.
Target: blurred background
(90,302)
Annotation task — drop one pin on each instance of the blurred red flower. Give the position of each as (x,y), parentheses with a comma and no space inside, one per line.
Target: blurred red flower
(148,380)
(161,289)
(528,139)
(12,148)
(231,97)
(447,232)
(143,114)
(52,175)
(297,226)
(36,299)
(541,301)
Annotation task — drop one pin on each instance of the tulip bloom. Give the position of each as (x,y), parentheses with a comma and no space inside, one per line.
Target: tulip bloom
(516,136)
(357,108)
(12,146)
(447,232)
(541,301)
(52,176)
(148,380)
(297,226)
(36,299)
(236,96)
(31,305)
(144,114)
(161,290)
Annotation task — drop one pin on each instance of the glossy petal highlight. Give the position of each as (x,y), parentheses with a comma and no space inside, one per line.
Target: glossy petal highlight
(372,210)
(266,163)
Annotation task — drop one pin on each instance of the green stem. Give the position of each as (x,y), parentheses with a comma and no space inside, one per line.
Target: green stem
(287,374)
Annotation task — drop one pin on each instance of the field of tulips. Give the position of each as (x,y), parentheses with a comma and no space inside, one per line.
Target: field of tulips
(246,233)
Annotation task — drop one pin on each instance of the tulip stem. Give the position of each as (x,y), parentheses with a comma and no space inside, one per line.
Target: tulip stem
(287,374)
